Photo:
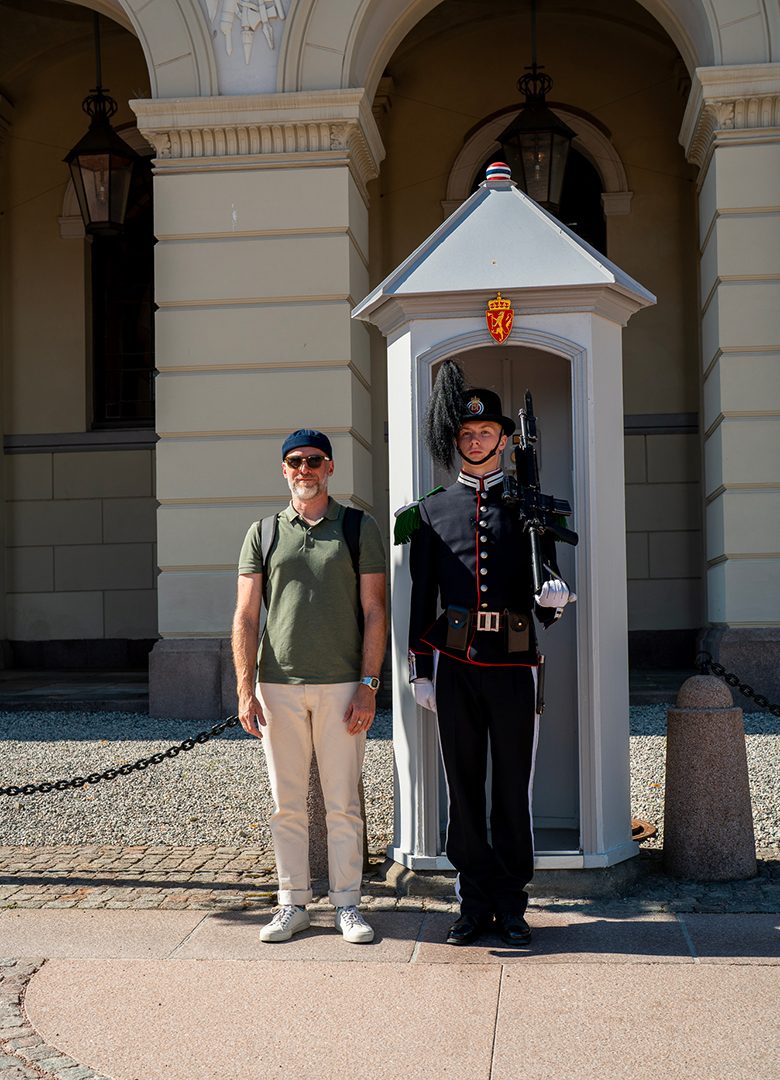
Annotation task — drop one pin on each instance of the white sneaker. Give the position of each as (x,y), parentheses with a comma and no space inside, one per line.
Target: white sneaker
(287,921)
(353,926)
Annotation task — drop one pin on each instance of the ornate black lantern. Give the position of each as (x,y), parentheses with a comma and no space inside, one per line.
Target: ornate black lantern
(536,143)
(101,164)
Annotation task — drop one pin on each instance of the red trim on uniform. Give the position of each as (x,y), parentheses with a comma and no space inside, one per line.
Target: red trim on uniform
(475,663)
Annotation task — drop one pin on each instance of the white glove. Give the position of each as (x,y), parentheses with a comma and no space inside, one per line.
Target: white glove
(555,594)
(425,694)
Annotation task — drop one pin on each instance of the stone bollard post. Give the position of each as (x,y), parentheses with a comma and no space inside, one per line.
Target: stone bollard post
(318,831)
(708,818)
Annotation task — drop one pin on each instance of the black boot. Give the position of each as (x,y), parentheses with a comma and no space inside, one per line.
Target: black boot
(468,928)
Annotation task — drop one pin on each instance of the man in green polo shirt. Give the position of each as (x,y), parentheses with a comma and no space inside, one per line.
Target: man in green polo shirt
(317,677)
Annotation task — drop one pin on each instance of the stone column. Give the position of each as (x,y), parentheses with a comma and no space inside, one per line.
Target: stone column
(262,225)
(6,120)
(731,131)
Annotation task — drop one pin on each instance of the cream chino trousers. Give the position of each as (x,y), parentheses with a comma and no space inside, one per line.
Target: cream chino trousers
(298,718)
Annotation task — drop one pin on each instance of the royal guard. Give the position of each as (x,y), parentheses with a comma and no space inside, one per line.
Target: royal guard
(476,664)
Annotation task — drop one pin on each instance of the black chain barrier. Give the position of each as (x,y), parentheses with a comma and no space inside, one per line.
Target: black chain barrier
(122,770)
(706,665)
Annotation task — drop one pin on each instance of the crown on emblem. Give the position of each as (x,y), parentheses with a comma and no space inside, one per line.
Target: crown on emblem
(499,304)
(475,406)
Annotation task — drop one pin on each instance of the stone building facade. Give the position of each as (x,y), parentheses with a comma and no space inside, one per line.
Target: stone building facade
(298,151)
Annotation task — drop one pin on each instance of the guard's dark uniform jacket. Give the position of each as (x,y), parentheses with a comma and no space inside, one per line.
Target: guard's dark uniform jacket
(471,552)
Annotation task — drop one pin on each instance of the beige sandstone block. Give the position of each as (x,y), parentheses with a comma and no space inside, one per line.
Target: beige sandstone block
(635,459)
(51,616)
(29,569)
(676,555)
(129,520)
(131,613)
(303,332)
(257,400)
(743,451)
(103,473)
(196,602)
(637,558)
(742,382)
(207,535)
(744,591)
(227,468)
(740,177)
(740,245)
(743,523)
(103,566)
(321,68)
(260,200)
(28,476)
(741,314)
(60,521)
(673,458)
(665,605)
(253,267)
(662,507)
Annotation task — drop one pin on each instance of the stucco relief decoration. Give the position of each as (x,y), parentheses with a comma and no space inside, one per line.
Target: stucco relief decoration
(248,15)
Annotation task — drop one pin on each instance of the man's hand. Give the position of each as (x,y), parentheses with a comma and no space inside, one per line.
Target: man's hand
(361,711)
(250,713)
(425,694)
(554,594)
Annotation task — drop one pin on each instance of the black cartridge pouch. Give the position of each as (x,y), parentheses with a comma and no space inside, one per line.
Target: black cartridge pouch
(457,627)
(518,638)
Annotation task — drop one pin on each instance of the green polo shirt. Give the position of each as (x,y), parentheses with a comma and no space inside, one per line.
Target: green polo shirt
(311,633)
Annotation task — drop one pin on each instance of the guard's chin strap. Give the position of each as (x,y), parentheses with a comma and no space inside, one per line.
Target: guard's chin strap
(487,457)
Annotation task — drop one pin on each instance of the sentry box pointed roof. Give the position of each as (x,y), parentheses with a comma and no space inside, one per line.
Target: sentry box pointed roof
(501,240)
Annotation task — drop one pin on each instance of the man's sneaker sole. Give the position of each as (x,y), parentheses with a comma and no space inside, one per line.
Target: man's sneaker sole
(272,934)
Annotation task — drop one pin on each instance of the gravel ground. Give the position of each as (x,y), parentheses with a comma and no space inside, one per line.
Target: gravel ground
(218,793)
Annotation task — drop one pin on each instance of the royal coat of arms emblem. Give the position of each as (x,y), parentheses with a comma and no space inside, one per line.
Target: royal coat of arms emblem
(499,317)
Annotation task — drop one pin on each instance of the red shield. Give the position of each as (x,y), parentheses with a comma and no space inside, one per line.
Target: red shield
(499,317)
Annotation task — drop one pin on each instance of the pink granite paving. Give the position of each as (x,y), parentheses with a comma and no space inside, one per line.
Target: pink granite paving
(235,936)
(191,1020)
(563,937)
(719,939)
(590,1022)
(111,934)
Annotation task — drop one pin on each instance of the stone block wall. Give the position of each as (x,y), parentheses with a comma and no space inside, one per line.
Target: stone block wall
(80,548)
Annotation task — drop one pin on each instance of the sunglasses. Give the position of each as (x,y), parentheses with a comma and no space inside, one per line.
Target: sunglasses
(294,461)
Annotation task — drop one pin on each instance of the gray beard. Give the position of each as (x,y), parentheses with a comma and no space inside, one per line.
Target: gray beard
(306,492)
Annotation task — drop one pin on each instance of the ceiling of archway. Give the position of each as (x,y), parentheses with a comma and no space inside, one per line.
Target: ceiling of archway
(30,30)
(457,15)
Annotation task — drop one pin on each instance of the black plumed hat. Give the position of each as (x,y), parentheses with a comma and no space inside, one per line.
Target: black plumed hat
(453,404)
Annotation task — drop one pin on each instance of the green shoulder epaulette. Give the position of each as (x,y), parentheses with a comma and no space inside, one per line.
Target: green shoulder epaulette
(407,519)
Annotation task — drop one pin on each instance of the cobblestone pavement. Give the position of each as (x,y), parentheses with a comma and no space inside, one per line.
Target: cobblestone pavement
(222,878)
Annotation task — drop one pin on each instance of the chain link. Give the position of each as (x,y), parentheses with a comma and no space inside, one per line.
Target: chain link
(706,664)
(78,782)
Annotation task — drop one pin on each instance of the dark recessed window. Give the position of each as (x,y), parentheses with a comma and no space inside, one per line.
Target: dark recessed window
(122,282)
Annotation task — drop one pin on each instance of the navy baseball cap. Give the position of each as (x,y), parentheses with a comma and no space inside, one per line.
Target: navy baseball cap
(307,437)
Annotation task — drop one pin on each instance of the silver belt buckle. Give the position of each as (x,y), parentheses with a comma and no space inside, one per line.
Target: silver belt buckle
(489,620)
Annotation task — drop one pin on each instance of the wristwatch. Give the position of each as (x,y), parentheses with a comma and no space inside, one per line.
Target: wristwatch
(372,681)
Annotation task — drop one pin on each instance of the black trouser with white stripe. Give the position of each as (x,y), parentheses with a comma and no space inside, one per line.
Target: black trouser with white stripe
(473,702)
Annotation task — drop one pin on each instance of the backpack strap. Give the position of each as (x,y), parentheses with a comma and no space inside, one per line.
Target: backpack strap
(351,524)
(267,536)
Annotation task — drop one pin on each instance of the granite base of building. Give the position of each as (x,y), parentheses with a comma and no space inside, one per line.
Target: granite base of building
(192,679)
(752,653)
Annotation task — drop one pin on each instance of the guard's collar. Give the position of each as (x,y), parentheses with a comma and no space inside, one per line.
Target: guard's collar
(482,484)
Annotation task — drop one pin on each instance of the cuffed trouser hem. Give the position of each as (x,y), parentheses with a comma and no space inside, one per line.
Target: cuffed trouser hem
(345,899)
(300,897)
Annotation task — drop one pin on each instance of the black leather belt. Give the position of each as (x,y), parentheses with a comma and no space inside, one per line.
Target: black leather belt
(461,623)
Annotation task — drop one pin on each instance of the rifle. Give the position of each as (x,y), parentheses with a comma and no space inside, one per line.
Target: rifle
(539,513)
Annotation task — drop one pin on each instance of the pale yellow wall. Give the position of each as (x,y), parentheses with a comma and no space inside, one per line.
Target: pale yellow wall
(45,374)
(447,80)
(80,545)
(79,527)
